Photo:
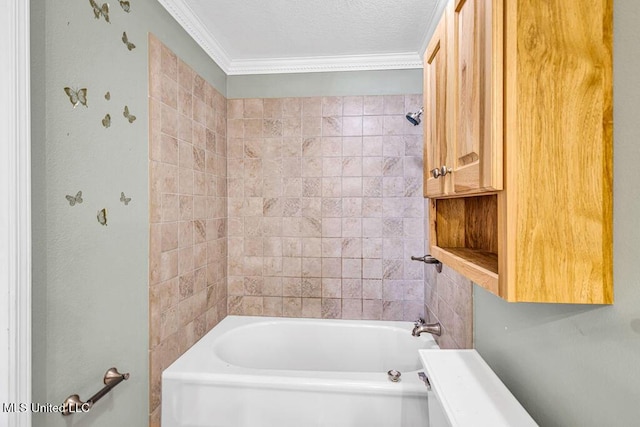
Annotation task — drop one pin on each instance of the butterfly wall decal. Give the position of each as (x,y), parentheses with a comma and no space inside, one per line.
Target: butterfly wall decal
(106,122)
(102,216)
(100,10)
(124,4)
(128,115)
(124,199)
(107,96)
(77,96)
(126,41)
(74,199)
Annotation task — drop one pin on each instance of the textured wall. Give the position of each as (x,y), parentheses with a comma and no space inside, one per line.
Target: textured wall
(90,290)
(325,207)
(449,300)
(577,365)
(187,210)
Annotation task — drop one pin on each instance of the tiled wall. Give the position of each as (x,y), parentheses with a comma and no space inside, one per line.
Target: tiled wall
(448,299)
(324,210)
(325,207)
(188,209)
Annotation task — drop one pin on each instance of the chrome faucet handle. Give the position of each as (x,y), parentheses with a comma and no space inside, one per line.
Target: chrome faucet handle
(428,259)
(419,322)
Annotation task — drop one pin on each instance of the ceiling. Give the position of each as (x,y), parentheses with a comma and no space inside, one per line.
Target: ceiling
(293,36)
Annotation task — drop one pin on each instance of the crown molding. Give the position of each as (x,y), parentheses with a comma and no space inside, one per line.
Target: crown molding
(182,13)
(185,16)
(434,20)
(392,61)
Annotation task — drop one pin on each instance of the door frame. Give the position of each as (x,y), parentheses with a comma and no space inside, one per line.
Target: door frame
(15,211)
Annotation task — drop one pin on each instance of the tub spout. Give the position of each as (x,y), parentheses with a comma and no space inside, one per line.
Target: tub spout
(430,328)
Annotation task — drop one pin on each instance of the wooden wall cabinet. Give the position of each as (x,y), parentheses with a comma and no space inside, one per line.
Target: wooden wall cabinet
(435,110)
(463,101)
(526,208)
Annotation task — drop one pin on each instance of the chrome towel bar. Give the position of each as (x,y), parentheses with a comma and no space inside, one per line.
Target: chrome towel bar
(73,404)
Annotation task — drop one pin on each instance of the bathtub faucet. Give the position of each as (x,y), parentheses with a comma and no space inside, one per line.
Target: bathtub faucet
(431,328)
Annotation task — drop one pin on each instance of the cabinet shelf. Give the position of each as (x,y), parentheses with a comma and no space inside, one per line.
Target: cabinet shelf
(478,265)
(483,259)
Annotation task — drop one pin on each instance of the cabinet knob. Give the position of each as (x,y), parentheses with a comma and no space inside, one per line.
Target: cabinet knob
(444,170)
(435,173)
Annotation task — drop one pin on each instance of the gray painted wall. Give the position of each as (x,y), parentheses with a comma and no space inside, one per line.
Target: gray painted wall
(578,365)
(346,83)
(90,282)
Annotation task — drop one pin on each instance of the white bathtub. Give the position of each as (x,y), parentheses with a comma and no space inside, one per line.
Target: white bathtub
(276,372)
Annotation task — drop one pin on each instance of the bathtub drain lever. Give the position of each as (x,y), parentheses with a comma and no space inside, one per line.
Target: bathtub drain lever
(425,379)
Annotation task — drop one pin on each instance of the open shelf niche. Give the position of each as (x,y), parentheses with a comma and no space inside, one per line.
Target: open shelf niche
(464,235)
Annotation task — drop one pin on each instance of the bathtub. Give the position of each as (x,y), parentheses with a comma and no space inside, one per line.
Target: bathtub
(278,372)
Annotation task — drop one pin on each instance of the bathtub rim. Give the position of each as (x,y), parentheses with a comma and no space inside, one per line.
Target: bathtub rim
(193,368)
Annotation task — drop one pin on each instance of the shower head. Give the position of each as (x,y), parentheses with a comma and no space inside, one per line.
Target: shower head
(414,118)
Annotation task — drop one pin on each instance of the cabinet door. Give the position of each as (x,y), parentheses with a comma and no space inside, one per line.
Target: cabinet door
(476,63)
(435,105)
